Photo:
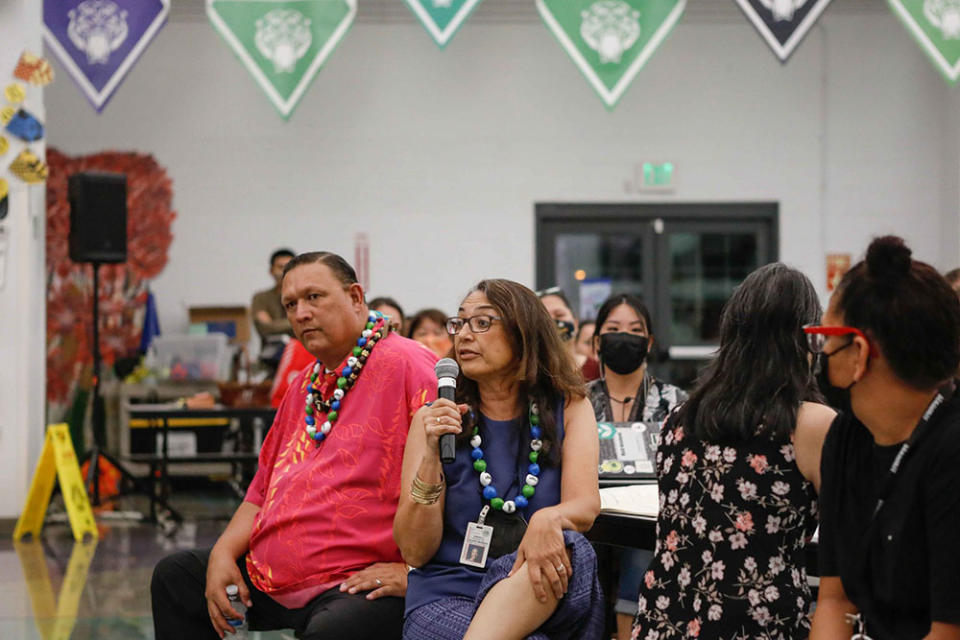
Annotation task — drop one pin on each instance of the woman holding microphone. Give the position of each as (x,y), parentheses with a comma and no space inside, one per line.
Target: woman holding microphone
(495,536)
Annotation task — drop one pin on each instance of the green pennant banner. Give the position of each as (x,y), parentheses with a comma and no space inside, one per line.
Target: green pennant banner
(936,26)
(610,40)
(442,18)
(282,43)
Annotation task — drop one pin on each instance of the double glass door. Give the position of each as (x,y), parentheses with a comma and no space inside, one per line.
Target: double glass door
(684,261)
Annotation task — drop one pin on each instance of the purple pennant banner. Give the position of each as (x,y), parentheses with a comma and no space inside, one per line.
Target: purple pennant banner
(99,41)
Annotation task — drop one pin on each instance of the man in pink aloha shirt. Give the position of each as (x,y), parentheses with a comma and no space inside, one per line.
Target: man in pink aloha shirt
(311,547)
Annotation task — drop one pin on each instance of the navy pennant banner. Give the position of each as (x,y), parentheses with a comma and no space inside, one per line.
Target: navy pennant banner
(783,23)
(99,41)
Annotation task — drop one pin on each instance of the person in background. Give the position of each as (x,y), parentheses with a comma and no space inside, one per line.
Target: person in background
(557,305)
(627,392)
(390,308)
(591,366)
(427,327)
(738,469)
(269,318)
(889,506)
(526,436)
(311,546)
(953,279)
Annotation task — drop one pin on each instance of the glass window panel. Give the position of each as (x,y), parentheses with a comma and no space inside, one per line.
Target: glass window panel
(584,257)
(705,268)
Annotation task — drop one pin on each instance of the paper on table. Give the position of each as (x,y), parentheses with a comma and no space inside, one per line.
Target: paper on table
(636,499)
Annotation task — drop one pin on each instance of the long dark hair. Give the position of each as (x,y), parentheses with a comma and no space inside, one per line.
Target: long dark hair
(545,371)
(762,372)
(907,308)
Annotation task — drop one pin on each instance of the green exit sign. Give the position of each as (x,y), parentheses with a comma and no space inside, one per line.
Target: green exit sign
(658,176)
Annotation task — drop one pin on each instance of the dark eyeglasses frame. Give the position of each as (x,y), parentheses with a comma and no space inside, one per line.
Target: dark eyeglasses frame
(455,324)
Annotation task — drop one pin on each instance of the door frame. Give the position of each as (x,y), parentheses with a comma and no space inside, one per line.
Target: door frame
(554,218)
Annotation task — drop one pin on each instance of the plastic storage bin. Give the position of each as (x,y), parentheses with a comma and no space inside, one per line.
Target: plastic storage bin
(191,357)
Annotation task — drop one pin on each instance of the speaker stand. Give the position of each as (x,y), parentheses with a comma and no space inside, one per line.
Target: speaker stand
(99,422)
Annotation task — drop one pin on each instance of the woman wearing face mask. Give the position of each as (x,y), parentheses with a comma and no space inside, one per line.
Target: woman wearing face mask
(626,392)
(557,305)
(890,506)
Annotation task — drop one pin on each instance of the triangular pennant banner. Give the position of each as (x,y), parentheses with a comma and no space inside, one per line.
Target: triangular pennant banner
(282,43)
(98,41)
(783,23)
(442,18)
(936,26)
(610,40)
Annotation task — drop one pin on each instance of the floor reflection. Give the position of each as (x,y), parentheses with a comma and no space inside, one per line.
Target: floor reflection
(56,589)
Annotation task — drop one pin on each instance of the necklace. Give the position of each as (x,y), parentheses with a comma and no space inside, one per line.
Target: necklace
(372,333)
(519,501)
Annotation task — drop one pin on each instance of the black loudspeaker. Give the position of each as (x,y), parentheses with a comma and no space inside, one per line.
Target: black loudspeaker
(98,217)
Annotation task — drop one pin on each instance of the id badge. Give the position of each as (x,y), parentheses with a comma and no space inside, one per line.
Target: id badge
(476,543)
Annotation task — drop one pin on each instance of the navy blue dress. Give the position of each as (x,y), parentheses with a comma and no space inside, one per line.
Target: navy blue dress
(442,596)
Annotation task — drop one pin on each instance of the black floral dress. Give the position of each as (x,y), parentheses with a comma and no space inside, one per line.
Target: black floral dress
(733,525)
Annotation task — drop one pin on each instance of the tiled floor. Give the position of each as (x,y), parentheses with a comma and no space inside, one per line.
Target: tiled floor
(52,589)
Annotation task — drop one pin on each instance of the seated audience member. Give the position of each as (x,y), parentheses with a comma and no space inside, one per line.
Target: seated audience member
(427,328)
(295,358)
(559,308)
(889,505)
(311,546)
(738,468)
(627,392)
(953,279)
(591,367)
(269,318)
(526,465)
(390,308)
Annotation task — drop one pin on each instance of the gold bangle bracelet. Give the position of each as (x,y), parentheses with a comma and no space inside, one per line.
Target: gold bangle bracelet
(424,493)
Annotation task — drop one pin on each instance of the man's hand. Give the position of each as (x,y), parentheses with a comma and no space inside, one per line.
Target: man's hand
(222,570)
(380,579)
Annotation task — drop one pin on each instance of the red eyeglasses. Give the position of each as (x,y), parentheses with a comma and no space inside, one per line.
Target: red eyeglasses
(817,336)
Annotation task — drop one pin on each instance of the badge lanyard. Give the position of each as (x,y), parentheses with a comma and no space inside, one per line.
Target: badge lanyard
(920,431)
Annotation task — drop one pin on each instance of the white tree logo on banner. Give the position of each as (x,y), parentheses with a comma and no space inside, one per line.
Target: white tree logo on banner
(783,10)
(283,37)
(944,15)
(610,27)
(98,28)
(442,3)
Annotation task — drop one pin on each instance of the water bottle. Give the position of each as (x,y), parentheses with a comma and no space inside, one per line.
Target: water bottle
(239,626)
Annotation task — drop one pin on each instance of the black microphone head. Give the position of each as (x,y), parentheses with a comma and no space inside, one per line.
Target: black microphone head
(447,368)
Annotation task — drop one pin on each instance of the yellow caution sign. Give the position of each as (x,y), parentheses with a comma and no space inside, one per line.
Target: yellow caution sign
(55,617)
(57,460)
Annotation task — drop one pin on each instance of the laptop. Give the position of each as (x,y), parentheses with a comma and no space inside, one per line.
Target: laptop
(627,452)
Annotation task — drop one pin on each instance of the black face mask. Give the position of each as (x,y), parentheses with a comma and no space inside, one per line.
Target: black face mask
(566,329)
(836,397)
(623,353)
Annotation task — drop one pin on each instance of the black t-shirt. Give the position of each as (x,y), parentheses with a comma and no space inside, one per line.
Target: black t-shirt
(902,571)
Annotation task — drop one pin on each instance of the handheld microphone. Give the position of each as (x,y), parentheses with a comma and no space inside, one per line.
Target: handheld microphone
(447,370)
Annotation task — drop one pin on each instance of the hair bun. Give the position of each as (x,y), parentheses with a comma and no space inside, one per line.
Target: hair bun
(888,258)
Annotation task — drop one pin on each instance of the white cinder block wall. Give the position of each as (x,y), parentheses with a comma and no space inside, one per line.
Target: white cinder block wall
(440,156)
(22,300)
